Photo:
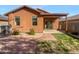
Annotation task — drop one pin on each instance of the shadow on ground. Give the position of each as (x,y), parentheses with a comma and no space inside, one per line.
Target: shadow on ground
(17,45)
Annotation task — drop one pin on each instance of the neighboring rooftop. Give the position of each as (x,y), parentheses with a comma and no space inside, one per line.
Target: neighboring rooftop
(75,17)
(4,18)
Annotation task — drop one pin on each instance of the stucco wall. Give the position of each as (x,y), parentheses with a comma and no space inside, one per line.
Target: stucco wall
(56,23)
(26,21)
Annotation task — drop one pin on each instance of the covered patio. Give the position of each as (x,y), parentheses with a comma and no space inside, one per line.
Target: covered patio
(51,21)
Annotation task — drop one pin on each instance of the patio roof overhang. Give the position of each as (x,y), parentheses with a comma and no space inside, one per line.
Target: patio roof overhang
(54,15)
(50,16)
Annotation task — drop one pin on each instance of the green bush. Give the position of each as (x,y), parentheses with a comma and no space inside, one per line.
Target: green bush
(15,33)
(31,32)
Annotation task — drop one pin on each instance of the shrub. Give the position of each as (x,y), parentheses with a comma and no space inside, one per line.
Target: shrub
(44,47)
(15,33)
(32,32)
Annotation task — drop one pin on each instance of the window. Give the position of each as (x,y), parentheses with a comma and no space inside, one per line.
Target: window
(17,20)
(34,20)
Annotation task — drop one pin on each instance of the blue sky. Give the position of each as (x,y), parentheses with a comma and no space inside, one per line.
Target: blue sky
(71,9)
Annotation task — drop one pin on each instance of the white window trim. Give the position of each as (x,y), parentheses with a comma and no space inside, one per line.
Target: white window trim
(15,21)
(32,20)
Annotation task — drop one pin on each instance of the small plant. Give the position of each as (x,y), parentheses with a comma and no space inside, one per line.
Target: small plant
(45,47)
(66,43)
(15,33)
(32,32)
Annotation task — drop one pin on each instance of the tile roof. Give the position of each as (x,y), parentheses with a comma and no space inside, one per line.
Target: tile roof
(75,17)
(19,9)
(4,18)
(42,12)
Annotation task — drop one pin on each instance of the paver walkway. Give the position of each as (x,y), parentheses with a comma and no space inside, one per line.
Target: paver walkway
(39,36)
(51,31)
(47,36)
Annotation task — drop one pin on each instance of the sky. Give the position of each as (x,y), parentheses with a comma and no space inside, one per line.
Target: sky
(70,9)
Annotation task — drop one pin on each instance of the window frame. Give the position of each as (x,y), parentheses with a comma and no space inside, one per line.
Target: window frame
(34,21)
(16,21)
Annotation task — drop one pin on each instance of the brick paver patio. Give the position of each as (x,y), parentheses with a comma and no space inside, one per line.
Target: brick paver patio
(22,43)
(47,36)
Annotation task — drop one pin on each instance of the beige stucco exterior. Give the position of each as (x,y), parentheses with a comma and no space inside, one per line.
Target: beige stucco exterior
(26,21)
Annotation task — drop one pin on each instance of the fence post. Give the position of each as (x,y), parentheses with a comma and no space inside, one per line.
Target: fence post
(66,24)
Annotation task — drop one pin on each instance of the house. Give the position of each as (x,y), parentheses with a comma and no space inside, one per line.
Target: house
(3,23)
(25,18)
(72,24)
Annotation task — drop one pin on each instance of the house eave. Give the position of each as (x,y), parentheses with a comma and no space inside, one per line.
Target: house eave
(6,14)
